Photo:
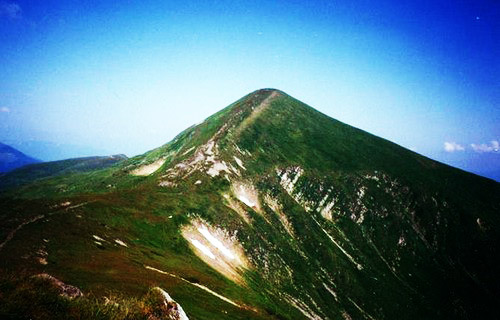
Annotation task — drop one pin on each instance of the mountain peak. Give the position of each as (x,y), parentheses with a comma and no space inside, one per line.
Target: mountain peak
(11,158)
(267,90)
(260,94)
(268,209)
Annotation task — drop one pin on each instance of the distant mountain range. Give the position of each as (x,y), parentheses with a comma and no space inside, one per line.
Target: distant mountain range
(44,170)
(11,158)
(268,209)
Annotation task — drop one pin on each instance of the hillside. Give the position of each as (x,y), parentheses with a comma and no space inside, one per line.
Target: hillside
(268,209)
(11,158)
(37,171)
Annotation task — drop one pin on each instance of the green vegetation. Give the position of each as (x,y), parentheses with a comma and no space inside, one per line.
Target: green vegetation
(34,298)
(47,170)
(367,230)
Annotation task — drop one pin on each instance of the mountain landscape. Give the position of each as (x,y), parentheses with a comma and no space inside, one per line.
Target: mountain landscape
(37,171)
(11,158)
(268,209)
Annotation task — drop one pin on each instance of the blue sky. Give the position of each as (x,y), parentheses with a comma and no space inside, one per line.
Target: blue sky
(102,77)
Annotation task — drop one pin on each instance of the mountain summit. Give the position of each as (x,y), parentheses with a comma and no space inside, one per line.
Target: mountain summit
(268,209)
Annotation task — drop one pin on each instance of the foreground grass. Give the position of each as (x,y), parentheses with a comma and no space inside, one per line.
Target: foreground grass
(34,298)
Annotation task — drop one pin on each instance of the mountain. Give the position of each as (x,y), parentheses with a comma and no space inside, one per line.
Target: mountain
(11,158)
(268,209)
(45,170)
(54,151)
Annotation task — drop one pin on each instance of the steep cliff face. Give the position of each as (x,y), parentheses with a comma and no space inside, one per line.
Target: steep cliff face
(269,209)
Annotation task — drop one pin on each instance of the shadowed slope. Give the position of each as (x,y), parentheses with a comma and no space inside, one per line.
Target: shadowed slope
(11,158)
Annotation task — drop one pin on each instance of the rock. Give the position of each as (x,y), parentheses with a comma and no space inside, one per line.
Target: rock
(65,290)
(165,307)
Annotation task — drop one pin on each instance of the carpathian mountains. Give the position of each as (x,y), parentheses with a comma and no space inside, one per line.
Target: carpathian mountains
(38,171)
(11,158)
(268,209)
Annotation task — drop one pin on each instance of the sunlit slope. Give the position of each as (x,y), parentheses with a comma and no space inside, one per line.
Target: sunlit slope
(269,209)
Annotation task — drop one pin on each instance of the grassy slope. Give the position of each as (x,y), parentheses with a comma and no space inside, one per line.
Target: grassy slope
(332,151)
(447,275)
(47,170)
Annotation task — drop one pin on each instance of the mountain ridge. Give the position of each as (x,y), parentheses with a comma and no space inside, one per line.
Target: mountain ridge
(11,158)
(36,171)
(269,209)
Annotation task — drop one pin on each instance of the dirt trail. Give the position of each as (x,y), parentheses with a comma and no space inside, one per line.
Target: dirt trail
(257,111)
(34,219)
(196,285)
(13,232)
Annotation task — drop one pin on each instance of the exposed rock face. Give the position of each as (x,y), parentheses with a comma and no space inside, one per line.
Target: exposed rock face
(65,290)
(147,169)
(218,248)
(167,308)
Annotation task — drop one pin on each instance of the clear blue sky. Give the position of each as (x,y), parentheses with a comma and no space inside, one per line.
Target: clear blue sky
(102,77)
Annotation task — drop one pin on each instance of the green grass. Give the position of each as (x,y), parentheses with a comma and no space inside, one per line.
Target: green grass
(25,297)
(445,270)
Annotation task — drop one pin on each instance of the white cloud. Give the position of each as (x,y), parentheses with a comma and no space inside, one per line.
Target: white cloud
(10,10)
(493,146)
(452,147)
(4,109)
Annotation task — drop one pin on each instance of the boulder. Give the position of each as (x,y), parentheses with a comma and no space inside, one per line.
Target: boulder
(65,290)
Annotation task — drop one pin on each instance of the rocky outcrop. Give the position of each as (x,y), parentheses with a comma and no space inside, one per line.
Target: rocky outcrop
(164,307)
(65,290)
